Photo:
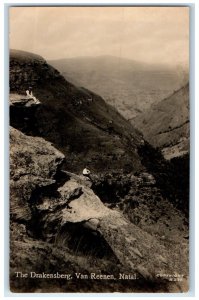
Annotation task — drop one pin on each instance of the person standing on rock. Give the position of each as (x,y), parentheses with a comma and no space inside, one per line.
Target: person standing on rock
(29,92)
(86,172)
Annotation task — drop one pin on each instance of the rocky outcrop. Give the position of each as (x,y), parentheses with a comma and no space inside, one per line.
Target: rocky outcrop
(38,205)
(33,165)
(23,110)
(23,101)
(48,213)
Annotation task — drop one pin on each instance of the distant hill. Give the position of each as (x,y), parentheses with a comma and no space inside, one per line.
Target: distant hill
(130,86)
(166,124)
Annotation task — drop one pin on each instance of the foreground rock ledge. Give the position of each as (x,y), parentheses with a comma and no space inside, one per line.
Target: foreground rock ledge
(43,210)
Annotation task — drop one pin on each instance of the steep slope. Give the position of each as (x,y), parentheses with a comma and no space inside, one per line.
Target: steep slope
(86,129)
(166,124)
(130,86)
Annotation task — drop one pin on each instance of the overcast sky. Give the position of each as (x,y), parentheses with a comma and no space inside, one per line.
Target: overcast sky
(148,34)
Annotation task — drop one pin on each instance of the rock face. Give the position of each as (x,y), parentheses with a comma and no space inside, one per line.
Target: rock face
(63,219)
(17,100)
(33,165)
(35,69)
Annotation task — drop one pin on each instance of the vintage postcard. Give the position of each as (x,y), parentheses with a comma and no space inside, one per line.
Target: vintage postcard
(99,149)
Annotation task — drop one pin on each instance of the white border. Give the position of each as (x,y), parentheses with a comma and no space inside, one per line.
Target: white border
(4,155)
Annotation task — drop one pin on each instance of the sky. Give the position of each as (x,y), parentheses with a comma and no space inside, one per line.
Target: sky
(155,35)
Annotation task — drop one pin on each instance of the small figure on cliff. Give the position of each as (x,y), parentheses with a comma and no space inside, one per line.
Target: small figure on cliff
(30,95)
(29,92)
(86,172)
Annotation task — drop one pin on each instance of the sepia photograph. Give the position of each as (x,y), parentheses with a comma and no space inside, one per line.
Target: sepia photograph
(99,144)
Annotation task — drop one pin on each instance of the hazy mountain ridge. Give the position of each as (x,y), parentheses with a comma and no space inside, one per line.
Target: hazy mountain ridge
(130,86)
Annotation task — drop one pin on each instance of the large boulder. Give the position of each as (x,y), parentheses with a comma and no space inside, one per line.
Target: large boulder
(33,165)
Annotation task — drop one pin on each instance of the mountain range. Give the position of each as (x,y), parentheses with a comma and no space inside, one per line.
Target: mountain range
(128,85)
